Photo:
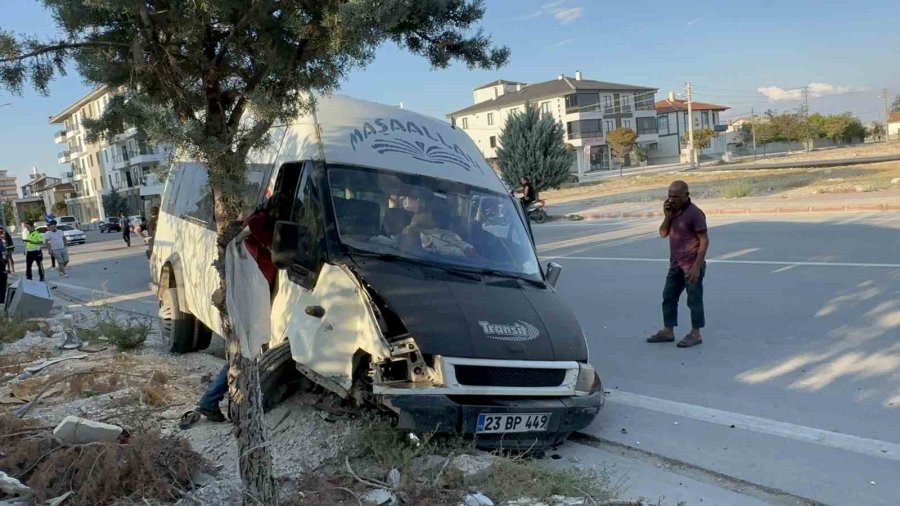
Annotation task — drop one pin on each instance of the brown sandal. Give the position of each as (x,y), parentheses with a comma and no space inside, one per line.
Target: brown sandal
(659,338)
(690,340)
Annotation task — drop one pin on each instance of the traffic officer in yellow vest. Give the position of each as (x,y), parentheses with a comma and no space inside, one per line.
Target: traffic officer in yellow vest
(34,240)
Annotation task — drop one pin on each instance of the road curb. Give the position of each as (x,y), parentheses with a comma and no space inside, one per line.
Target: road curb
(849,208)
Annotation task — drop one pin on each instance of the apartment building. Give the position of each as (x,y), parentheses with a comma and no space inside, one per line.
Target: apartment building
(588,109)
(7,186)
(672,124)
(124,164)
(50,190)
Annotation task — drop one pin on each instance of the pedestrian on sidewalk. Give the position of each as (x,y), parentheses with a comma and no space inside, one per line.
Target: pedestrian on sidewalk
(56,244)
(3,254)
(10,247)
(685,226)
(34,241)
(126,229)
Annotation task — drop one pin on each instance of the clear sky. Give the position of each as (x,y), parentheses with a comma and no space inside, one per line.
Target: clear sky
(736,53)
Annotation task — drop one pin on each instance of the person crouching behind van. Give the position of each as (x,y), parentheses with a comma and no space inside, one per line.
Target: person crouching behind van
(262,230)
(56,244)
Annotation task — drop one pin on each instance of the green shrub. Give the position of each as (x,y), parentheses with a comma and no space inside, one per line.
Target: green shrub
(123,336)
(737,189)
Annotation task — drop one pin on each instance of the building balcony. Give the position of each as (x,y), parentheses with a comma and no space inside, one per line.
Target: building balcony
(64,157)
(146,158)
(60,137)
(128,133)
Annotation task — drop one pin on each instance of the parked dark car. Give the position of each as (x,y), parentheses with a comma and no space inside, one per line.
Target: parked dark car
(110,225)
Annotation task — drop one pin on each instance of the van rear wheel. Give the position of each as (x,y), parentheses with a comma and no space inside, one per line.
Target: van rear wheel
(175,326)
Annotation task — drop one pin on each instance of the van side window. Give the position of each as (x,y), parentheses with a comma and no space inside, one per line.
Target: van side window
(197,204)
(171,191)
(307,211)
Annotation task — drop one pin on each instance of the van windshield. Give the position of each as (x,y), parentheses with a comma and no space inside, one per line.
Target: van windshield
(432,220)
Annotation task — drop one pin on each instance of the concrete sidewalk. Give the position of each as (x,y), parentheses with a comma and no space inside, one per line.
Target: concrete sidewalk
(881,201)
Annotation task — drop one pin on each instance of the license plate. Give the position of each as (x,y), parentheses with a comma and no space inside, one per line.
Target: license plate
(512,422)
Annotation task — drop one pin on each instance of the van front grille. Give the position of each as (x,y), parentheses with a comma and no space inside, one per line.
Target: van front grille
(481,376)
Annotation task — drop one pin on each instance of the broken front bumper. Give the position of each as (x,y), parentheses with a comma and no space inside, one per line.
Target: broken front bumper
(442,413)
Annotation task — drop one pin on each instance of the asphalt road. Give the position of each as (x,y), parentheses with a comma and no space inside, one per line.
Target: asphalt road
(797,384)
(796,388)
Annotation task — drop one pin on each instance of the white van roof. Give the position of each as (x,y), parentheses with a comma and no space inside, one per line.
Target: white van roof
(369,134)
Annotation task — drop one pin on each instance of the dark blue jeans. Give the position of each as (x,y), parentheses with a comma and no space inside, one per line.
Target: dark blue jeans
(216,390)
(675,284)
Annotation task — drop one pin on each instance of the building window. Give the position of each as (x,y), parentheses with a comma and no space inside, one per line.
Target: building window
(465,123)
(583,128)
(493,141)
(607,100)
(490,118)
(646,126)
(582,101)
(545,107)
(662,124)
(610,125)
(626,123)
(705,116)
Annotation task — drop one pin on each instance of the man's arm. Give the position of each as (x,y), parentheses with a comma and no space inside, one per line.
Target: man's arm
(664,227)
(694,273)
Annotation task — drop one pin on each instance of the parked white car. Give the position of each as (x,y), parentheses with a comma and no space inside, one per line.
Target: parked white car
(72,234)
(68,220)
(404,275)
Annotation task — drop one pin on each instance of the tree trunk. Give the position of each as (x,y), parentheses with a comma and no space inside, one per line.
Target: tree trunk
(255,461)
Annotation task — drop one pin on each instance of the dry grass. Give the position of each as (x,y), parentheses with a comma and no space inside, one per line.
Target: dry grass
(721,184)
(857,150)
(124,336)
(149,466)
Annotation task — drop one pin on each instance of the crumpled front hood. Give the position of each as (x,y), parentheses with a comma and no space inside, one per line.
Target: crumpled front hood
(494,318)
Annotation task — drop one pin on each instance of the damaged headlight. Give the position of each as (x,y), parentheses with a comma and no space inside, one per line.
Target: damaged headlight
(407,364)
(588,380)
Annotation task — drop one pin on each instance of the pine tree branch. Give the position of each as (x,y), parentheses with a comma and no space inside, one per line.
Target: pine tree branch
(64,46)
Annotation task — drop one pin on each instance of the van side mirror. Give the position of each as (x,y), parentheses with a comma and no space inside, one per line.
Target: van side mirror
(287,244)
(553,272)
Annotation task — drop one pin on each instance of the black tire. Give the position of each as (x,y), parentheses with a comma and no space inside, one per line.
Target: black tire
(203,335)
(278,376)
(539,216)
(175,326)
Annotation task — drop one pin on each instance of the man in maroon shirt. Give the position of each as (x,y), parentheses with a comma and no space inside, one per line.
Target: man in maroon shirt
(685,226)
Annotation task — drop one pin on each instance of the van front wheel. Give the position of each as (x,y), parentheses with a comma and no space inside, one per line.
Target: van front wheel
(279,377)
(175,326)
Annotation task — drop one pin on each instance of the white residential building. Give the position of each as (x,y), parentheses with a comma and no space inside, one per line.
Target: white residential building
(672,124)
(894,125)
(587,109)
(125,164)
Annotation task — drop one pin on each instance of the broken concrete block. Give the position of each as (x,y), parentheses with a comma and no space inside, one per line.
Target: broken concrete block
(30,299)
(379,496)
(80,430)
(473,468)
(393,478)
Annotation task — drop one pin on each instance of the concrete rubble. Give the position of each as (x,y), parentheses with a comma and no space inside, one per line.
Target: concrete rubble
(477,499)
(13,487)
(76,430)
(473,468)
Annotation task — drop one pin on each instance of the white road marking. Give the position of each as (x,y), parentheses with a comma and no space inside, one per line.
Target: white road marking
(856,444)
(748,262)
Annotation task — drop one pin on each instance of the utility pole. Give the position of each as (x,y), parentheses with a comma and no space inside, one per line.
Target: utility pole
(753,130)
(887,115)
(806,117)
(687,92)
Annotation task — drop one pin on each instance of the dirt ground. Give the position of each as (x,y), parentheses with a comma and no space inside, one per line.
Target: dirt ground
(736,184)
(858,150)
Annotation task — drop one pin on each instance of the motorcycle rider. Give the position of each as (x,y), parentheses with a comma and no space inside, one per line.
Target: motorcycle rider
(528,192)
